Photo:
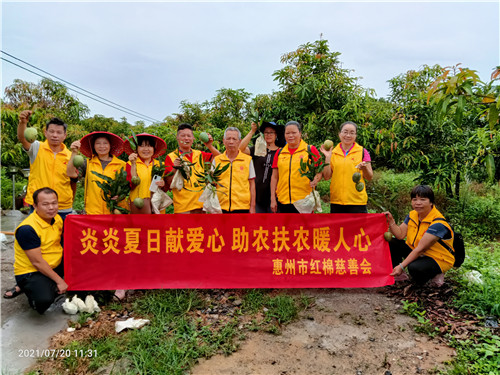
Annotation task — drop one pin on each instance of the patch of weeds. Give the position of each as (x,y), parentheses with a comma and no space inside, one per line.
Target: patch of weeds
(92,353)
(114,306)
(424,325)
(282,308)
(479,280)
(84,316)
(306,301)
(254,300)
(479,355)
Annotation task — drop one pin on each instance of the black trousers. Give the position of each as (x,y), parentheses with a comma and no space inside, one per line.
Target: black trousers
(421,270)
(287,209)
(348,209)
(40,289)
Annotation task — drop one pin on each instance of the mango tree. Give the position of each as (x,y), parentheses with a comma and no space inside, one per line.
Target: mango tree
(459,92)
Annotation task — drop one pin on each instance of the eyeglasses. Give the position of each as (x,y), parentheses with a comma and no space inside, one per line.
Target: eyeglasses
(347,133)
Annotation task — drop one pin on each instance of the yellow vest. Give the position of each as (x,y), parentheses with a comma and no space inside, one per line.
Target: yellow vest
(235,193)
(185,200)
(291,185)
(144,173)
(50,238)
(437,251)
(94,203)
(342,187)
(49,170)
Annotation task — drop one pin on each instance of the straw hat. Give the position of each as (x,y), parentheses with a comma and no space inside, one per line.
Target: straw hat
(160,145)
(116,143)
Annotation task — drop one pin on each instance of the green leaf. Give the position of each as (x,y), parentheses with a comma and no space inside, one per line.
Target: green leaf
(493,116)
(101,176)
(490,167)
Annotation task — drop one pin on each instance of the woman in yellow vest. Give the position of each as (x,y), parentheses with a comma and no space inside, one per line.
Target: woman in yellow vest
(102,149)
(428,251)
(287,185)
(140,164)
(346,159)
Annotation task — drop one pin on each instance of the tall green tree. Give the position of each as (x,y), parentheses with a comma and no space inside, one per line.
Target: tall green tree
(316,90)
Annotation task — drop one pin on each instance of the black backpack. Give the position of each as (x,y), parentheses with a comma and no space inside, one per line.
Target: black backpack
(458,250)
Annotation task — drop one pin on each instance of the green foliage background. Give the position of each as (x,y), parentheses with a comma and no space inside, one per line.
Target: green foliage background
(439,123)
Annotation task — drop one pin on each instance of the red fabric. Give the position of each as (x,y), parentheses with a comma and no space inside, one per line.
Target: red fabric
(107,252)
(169,163)
(314,150)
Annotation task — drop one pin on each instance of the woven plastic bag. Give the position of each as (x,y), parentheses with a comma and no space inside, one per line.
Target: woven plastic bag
(309,204)
(160,201)
(260,146)
(210,200)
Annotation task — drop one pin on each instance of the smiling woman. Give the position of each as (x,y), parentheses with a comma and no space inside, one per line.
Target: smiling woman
(428,251)
(349,167)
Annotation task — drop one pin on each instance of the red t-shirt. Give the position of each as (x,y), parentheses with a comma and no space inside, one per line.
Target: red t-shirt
(314,150)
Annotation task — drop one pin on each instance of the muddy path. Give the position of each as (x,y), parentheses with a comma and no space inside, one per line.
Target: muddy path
(346,331)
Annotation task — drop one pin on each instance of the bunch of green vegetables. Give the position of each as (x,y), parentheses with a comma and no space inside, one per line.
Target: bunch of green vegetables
(210,175)
(310,168)
(114,190)
(185,167)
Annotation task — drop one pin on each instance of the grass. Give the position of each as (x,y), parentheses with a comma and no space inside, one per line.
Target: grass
(179,334)
(482,299)
(480,353)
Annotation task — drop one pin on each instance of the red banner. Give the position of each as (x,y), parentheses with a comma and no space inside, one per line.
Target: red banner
(106,252)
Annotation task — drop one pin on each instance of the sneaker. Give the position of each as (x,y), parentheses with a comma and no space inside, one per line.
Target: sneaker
(437,280)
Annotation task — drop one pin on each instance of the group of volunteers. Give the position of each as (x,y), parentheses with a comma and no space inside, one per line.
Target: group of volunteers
(253,182)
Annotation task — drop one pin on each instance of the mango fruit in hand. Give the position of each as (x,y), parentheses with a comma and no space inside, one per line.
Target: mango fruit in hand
(204,137)
(360,186)
(78,161)
(356,177)
(136,180)
(30,134)
(327,145)
(388,236)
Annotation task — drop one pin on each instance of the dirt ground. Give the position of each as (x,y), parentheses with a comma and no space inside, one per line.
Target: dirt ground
(346,331)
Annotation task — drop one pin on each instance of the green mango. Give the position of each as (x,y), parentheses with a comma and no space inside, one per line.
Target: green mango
(139,202)
(204,137)
(30,134)
(78,161)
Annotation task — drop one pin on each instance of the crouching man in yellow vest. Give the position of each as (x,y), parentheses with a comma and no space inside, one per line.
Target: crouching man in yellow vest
(38,254)
(237,194)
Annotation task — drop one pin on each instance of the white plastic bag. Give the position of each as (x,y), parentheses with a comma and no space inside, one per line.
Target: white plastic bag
(260,146)
(77,305)
(160,201)
(309,204)
(177,181)
(91,304)
(210,200)
(130,323)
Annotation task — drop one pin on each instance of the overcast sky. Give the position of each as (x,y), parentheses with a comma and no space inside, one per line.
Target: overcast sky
(151,56)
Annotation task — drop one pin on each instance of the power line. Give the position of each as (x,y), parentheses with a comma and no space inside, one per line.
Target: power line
(114,105)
